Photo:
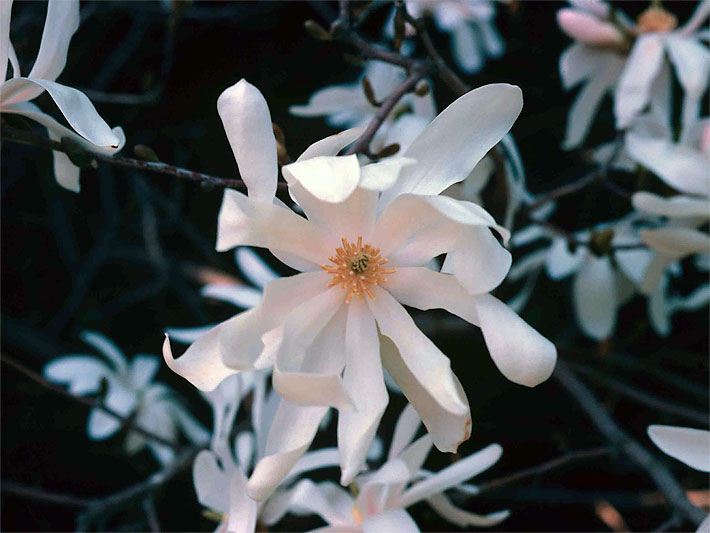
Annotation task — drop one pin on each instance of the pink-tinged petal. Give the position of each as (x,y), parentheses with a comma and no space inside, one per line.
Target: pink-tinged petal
(598,8)
(672,207)
(423,373)
(328,179)
(82,373)
(404,431)
(392,520)
(679,166)
(211,482)
(595,297)
(688,445)
(588,29)
(521,354)
(455,141)
(243,510)
(291,434)
(74,105)
(246,222)
(444,508)
(202,363)
(676,242)
(633,91)
(247,123)
(330,146)
(425,289)
(452,475)
(365,382)
(60,25)
(5,16)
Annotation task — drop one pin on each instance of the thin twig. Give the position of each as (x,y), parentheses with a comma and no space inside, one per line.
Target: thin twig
(661,476)
(36,493)
(151,514)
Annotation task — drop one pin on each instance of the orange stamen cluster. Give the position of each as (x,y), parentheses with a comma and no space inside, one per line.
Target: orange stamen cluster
(656,19)
(357,268)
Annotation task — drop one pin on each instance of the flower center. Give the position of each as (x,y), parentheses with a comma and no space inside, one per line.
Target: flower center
(357,267)
(656,19)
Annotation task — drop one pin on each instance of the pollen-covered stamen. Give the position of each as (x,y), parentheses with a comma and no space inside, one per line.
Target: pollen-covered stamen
(357,267)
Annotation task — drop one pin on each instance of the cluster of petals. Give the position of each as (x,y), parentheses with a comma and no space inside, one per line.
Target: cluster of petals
(130,391)
(329,353)
(88,129)
(632,60)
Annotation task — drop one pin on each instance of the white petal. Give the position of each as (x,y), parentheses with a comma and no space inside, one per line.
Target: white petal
(74,105)
(588,28)
(247,123)
(331,100)
(314,460)
(595,297)
(291,434)
(308,498)
(243,510)
(143,370)
(243,221)
(364,381)
(329,179)
(676,242)
(392,520)
(253,267)
(444,508)
(211,482)
(453,475)
(240,296)
(404,431)
(66,173)
(107,348)
(60,25)
(634,89)
(519,351)
(451,146)
(464,47)
(659,309)
(561,262)
(330,146)
(5,15)
(673,207)
(704,527)
(688,445)
(579,62)
(692,63)
(101,425)
(423,373)
(382,175)
(187,335)
(82,373)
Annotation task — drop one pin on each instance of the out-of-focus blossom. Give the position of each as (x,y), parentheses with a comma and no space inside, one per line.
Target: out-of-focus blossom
(688,445)
(130,391)
(383,496)
(88,129)
(220,473)
(363,249)
(346,106)
(471,25)
(612,53)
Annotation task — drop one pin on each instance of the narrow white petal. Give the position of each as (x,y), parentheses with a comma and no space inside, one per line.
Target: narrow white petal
(243,510)
(60,25)
(308,498)
(465,49)
(561,262)
(241,296)
(595,297)
(82,373)
(692,63)
(444,508)
(688,445)
(404,431)
(673,207)
(107,348)
(5,15)
(330,146)
(676,242)
(254,268)
(143,369)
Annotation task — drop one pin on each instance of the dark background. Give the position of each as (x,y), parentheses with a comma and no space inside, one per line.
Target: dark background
(74,262)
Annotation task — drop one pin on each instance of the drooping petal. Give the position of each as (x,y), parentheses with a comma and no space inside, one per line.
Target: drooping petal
(423,373)
(456,140)
(364,381)
(291,434)
(519,351)
(688,445)
(444,508)
(634,89)
(595,297)
(254,268)
(74,105)
(82,373)
(673,207)
(60,25)
(247,123)
(452,475)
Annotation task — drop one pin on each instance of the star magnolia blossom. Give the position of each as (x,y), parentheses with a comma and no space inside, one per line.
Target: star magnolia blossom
(683,166)
(383,495)
(362,250)
(346,106)
(130,391)
(688,445)
(220,473)
(471,24)
(606,58)
(92,133)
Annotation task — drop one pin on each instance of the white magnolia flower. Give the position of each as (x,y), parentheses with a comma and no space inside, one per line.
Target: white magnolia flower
(220,473)
(346,106)
(88,129)
(363,253)
(471,25)
(383,495)
(683,166)
(130,391)
(613,54)
(688,445)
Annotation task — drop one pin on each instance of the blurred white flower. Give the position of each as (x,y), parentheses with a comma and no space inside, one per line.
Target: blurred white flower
(612,53)
(471,25)
(92,133)
(346,106)
(329,330)
(220,473)
(688,445)
(130,391)
(383,496)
